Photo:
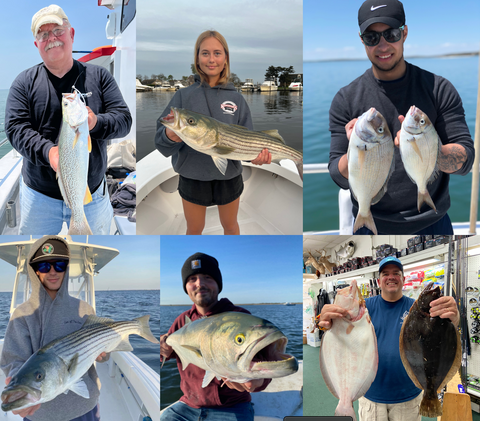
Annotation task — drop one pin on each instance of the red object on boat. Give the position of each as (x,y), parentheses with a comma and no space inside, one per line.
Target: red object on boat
(107,50)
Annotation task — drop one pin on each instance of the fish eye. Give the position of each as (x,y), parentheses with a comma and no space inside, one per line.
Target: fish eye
(191,120)
(39,376)
(422,121)
(240,339)
(380,130)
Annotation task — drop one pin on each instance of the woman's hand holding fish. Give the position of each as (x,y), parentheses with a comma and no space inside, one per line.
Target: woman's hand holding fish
(445,308)
(263,157)
(53,157)
(26,411)
(92,119)
(103,357)
(250,386)
(397,137)
(330,312)
(165,350)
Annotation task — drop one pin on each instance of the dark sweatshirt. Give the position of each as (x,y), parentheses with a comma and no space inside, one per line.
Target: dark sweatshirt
(221,102)
(396,212)
(191,378)
(33,118)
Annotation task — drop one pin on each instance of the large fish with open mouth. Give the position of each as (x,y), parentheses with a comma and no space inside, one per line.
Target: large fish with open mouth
(59,366)
(237,346)
(430,350)
(348,352)
(370,164)
(420,148)
(73,149)
(228,141)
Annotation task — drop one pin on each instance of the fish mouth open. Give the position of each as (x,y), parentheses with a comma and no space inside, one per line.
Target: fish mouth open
(19,397)
(171,120)
(268,356)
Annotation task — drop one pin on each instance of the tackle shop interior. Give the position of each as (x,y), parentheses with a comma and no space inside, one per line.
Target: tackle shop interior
(331,263)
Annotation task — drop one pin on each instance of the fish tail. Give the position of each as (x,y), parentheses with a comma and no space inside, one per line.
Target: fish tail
(425,198)
(365,221)
(79,228)
(345,409)
(430,406)
(145,331)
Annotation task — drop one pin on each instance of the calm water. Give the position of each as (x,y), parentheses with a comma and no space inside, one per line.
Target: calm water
(276,110)
(118,305)
(322,82)
(3,100)
(287,318)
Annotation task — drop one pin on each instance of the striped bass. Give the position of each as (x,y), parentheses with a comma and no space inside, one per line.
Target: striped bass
(370,164)
(73,149)
(420,147)
(234,345)
(348,352)
(228,141)
(59,366)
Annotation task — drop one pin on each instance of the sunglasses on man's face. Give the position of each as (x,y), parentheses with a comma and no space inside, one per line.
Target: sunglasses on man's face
(372,38)
(60,266)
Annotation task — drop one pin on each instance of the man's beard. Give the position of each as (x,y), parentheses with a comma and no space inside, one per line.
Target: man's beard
(390,69)
(205,300)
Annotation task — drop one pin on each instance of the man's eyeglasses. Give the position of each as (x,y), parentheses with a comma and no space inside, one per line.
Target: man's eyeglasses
(372,38)
(43,36)
(60,266)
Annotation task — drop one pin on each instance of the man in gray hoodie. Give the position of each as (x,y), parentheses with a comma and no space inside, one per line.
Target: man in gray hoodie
(50,313)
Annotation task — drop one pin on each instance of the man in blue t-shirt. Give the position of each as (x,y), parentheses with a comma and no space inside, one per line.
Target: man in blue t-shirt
(392,395)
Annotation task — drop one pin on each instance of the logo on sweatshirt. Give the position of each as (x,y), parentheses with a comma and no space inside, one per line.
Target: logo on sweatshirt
(404,316)
(229,107)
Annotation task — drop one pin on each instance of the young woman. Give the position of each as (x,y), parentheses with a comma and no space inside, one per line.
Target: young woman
(201,184)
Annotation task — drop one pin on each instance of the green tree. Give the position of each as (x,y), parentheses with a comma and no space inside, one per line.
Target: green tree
(286,75)
(194,70)
(272,72)
(235,79)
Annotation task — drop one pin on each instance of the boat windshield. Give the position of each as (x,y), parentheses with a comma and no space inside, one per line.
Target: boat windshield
(128,13)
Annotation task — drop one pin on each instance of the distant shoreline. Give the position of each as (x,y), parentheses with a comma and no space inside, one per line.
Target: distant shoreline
(249,304)
(452,55)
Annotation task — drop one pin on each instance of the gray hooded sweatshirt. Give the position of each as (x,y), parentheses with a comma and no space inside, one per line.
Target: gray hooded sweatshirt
(221,102)
(39,321)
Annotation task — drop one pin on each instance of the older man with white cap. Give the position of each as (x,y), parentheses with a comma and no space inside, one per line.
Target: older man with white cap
(33,120)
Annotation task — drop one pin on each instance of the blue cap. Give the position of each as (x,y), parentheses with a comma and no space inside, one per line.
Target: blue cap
(390,260)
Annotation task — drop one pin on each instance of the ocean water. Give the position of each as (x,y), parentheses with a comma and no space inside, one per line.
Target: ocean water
(287,318)
(118,305)
(3,100)
(322,82)
(270,110)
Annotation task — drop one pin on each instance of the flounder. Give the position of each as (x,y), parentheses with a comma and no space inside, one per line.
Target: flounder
(348,352)
(430,350)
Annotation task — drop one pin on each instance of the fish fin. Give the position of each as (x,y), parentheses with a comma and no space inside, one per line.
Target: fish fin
(77,136)
(72,364)
(80,388)
(239,127)
(324,369)
(196,351)
(275,135)
(404,359)
(89,144)
(413,142)
(209,376)
(365,221)
(425,198)
(88,197)
(223,150)
(187,320)
(221,164)
(95,320)
(145,331)
(361,159)
(124,345)
(345,409)
(350,328)
(430,406)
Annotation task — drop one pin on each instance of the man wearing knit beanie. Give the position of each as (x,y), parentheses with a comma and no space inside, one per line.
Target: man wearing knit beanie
(202,281)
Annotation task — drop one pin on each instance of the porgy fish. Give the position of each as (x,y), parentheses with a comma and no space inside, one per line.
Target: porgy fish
(59,366)
(420,147)
(430,350)
(73,149)
(228,141)
(348,352)
(237,346)
(370,164)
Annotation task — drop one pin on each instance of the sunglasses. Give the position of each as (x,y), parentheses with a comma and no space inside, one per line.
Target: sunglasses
(60,266)
(391,35)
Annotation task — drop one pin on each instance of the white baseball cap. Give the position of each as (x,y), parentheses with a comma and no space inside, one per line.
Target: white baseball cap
(50,14)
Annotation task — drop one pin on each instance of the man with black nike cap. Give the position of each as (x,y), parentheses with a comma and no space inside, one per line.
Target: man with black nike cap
(392,395)
(202,281)
(392,86)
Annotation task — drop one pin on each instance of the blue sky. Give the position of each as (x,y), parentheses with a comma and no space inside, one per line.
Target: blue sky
(136,267)
(255,269)
(86,17)
(434,27)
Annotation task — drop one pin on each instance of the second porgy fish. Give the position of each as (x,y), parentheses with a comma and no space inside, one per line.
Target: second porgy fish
(420,147)
(73,150)
(370,164)
(348,352)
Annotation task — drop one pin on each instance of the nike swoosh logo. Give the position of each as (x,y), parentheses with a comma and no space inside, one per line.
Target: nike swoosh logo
(378,7)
